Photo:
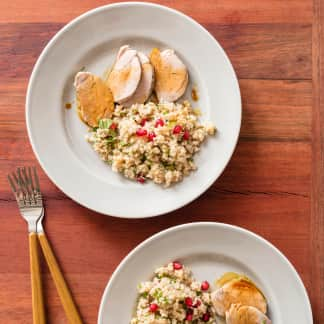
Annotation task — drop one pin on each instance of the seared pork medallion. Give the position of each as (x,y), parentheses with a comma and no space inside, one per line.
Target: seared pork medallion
(233,289)
(125,75)
(171,75)
(145,86)
(242,314)
(94,98)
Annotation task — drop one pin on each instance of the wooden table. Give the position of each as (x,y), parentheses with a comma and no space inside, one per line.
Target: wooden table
(272,186)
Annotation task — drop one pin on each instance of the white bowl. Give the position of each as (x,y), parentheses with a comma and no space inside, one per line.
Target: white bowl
(210,250)
(91,40)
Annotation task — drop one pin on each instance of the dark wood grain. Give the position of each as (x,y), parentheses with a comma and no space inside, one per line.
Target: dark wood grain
(317,200)
(267,51)
(273,185)
(276,110)
(234,11)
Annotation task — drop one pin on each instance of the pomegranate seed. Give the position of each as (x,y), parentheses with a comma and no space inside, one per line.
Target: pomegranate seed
(197,304)
(186,135)
(141,132)
(143,121)
(188,301)
(206,317)
(151,136)
(189,317)
(177,265)
(154,307)
(113,126)
(177,129)
(159,122)
(205,285)
(141,179)
(189,311)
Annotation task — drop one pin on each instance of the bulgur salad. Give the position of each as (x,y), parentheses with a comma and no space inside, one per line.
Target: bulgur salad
(155,141)
(173,296)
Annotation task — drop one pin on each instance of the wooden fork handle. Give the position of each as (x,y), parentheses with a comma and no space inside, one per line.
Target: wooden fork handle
(69,306)
(36,283)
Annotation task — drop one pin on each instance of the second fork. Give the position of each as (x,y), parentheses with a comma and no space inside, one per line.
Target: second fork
(25,185)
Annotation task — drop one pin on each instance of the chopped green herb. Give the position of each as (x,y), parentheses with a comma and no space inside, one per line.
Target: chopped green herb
(157,294)
(110,140)
(113,133)
(164,276)
(168,166)
(105,123)
(144,294)
(171,167)
(164,300)
(124,143)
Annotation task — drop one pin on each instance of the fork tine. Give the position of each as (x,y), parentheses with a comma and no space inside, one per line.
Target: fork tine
(23,185)
(15,178)
(31,178)
(21,181)
(35,192)
(15,186)
(25,175)
(27,183)
(36,179)
(31,184)
(12,185)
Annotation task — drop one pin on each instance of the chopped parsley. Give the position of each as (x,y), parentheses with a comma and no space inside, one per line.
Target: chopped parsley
(157,294)
(144,294)
(105,123)
(124,144)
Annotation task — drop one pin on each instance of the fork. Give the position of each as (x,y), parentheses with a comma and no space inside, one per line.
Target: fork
(25,185)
